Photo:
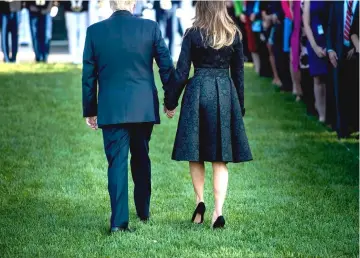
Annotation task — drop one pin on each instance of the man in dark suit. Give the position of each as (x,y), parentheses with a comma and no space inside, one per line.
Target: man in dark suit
(118,56)
(40,20)
(343,61)
(9,14)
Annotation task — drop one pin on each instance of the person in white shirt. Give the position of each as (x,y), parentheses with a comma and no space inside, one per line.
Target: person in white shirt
(77,21)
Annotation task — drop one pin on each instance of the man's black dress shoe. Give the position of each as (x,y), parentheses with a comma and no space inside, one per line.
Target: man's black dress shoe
(118,229)
(144,220)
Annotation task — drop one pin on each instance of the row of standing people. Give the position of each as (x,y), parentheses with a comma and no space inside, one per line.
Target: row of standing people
(78,16)
(165,15)
(40,28)
(309,48)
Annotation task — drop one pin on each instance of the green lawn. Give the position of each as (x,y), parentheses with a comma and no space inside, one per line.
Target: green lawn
(298,198)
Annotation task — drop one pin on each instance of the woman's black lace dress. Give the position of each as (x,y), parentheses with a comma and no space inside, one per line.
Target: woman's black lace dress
(211,126)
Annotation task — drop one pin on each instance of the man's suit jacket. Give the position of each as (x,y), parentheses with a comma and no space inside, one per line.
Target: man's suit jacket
(118,56)
(335,30)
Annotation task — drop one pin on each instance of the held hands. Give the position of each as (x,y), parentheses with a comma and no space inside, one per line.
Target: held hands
(92,122)
(169,113)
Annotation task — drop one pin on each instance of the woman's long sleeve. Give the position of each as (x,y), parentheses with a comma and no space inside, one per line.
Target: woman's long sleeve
(181,75)
(237,72)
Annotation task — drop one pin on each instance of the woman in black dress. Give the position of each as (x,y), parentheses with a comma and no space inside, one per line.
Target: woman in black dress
(211,127)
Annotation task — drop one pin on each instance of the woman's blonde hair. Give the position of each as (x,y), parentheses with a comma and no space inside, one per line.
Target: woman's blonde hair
(117,5)
(213,19)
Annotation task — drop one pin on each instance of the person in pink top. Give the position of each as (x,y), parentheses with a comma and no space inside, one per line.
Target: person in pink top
(295,48)
(286,6)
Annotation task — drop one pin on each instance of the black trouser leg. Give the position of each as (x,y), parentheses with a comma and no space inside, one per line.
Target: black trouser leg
(117,144)
(141,167)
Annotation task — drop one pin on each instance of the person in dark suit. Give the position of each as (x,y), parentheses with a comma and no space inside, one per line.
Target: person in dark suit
(9,13)
(39,21)
(118,56)
(343,62)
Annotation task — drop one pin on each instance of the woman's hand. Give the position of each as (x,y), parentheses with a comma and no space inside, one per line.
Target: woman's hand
(252,17)
(320,52)
(243,18)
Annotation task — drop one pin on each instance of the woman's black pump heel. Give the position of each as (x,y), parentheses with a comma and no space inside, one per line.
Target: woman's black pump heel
(200,209)
(219,223)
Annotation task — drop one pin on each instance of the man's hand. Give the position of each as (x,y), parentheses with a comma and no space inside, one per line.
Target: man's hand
(333,58)
(92,122)
(350,53)
(169,113)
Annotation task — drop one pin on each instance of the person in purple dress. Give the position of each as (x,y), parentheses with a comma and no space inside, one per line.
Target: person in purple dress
(315,20)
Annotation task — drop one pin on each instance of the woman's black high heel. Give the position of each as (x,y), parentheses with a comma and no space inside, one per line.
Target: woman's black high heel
(200,209)
(219,223)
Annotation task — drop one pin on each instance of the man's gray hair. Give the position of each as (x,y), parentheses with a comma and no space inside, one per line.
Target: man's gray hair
(127,5)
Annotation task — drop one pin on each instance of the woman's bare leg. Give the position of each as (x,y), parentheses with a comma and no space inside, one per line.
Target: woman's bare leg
(197,171)
(221,177)
(276,79)
(320,98)
(256,60)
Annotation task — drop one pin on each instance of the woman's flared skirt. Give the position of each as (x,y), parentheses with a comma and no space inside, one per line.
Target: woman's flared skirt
(211,126)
